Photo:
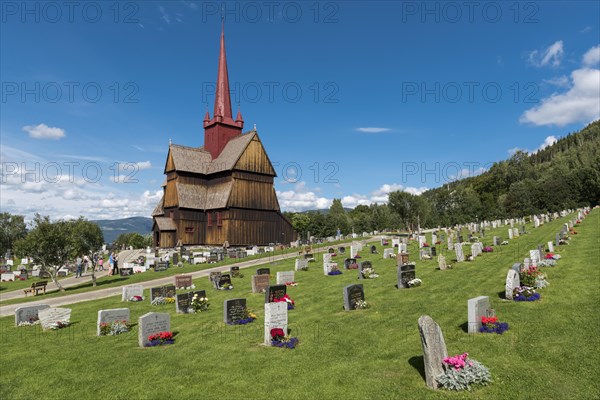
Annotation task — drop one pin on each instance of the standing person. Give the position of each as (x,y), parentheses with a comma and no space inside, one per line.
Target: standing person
(101,264)
(116,267)
(78,262)
(86,263)
(111,263)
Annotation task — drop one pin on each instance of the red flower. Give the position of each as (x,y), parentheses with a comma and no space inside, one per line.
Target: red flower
(277,333)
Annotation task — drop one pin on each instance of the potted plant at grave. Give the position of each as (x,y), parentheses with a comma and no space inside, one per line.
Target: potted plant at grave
(113,328)
(414,282)
(460,372)
(488,249)
(280,339)
(161,338)
(199,304)
(136,298)
(491,325)
(533,277)
(334,270)
(361,305)
(226,286)
(248,318)
(369,273)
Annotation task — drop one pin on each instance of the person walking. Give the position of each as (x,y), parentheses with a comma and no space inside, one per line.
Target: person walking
(111,263)
(116,267)
(78,262)
(101,264)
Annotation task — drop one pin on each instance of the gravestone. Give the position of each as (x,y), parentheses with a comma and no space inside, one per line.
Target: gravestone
(460,239)
(275,292)
(477,307)
(515,232)
(284,277)
(373,249)
(517,267)
(326,258)
(50,315)
(162,291)
(276,317)
(510,233)
(300,264)
(540,250)
(150,324)
(259,283)
(442,262)
(535,257)
(433,252)
(331,250)
(342,250)
(350,263)
(512,282)
(450,244)
(309,256)
(329,267)
(214,277)
(234,272)
(402,258)
(522,230)
(28,313)
(434,349)
(175,258)
(183,301)
(128,292)
(496,241)
(353,294)
(406,273)
(363,265)
(474,250)
(557,240)
(224,279)
(460,256)
(550,247)
(110,316)
(387,253)
(234,310)
(263,271)
(183,281)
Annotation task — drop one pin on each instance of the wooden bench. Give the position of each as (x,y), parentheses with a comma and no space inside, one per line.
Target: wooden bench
(36,287)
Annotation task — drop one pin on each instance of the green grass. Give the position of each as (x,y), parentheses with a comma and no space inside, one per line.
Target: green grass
(115,280)
(550,352)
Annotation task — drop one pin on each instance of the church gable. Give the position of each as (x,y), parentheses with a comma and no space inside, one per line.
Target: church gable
(255,159)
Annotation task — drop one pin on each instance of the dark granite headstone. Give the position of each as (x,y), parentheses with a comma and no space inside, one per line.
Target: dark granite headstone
(373,250)
(162,291)
(175,258)
(234,271)
(331,250)
(433,252)
(342,249)
(275,292)
(363,265)
(263,271)
(125,271)
(234,310)
(224,279)
(350,263)
(352,294)
(406,273)
(160,266)
(183,301)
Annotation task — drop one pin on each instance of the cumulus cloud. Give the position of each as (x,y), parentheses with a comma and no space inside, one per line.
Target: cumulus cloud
(549,141)
(373,130)
(43,131)
(551,56)
(580,103)
(592,57)
(143,165)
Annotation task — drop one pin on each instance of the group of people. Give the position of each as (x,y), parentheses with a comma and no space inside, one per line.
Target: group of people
(84,263)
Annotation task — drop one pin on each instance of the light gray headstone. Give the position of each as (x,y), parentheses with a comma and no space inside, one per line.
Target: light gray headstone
(326,258)
(434,349)
(284,277)
(112,315)
(151,323)
(510,233)
(28,313)
(276,316)
(48,316)
(551,247)
(442,262)
(130,291)
(512,282)
(535,257)
(387,253)
(460,256)
(301,263)
(477,307)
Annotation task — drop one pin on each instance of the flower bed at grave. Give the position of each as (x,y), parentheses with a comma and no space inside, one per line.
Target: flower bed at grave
(199,304)
(361,305)
(286,299)
(533,277)
(280,339)
(58,325)
(525,293)
(369,273)
(113,328)
(248,318)
(291,284)
(488,249)
(31,321)
(159,339)
(158,301)
(547,263)
(425,244)
(491,325)
(438,242)
(504,243)
(552,256)
(226,286)
(460,372)
(186,287)
(414,282)
(136,298)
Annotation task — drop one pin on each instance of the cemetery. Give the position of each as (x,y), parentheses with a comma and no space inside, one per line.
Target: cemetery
(380,340)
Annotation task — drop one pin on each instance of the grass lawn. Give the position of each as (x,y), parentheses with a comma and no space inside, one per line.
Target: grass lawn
(116,280)
(550,352)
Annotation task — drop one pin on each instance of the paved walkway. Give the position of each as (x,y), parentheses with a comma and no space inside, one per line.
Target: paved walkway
(116,291)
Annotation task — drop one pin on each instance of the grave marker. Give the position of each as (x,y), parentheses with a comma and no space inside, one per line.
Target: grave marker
(183,281)
(259,283)
(353,294)
(263,271)
(162,291)
(276,317)
(49,316)
(460,256)
(28,313)
(183,301)
(301,263)
(275,292)
(477,307)
(127,292)
(110,316)
(234,310)
(406,273)
(434,349)
(512,282)
(150,324)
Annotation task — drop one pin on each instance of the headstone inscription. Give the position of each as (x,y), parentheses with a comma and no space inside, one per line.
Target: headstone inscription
(234,310)
(150,324)
(275,292)
(352,295)
(110,316)
(276,317)
(406,273)
(28,314)
(259,283)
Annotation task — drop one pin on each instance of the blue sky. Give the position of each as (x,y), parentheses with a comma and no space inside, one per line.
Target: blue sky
(351,99)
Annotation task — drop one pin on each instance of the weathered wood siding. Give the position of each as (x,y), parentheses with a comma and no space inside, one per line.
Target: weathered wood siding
(255,159)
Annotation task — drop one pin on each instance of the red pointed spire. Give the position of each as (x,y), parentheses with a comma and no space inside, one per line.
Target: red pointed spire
(222,98)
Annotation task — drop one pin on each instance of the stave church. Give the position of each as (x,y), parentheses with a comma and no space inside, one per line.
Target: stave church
(221,193)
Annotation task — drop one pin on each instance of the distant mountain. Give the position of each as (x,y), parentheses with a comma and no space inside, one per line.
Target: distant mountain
(112,228)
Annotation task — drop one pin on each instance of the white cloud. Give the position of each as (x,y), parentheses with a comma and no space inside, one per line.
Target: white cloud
(552,56)
(143,165)
(373,130)
(581,103)
(549,141)
(560,81)
(586,29)
(43,131)
(592,57)
(164,15)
